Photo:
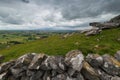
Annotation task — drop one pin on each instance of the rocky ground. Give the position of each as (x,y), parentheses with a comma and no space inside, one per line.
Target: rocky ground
(74,66)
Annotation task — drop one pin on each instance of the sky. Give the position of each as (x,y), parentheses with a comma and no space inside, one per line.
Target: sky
(55,14)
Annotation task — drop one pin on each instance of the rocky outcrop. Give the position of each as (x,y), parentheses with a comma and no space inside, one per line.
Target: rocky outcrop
(113,23)
(93,31)
(98,26)
(115,19)
(74,66)
(106,25)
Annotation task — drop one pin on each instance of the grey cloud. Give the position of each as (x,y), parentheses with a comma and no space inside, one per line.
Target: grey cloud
(72,9)
(21,12)
(13,20)
(8,15)
(90,8)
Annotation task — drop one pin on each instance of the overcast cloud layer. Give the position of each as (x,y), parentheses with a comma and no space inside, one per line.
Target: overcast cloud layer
(55,14)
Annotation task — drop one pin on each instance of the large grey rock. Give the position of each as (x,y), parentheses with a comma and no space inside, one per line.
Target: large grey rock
(53,73)
(37,75)
(111,65)
(30,73)
(6,66)
(21,65)
(3,76)
(24,60)
(53,62)
(89,73)
(94,60)
(93,31)
(113,23)
(115,19)
(45,65)
(36,61)
(17,72)
(104,76)
(74,59)
(49,63)
(71,71)
(106,25)
(47,76)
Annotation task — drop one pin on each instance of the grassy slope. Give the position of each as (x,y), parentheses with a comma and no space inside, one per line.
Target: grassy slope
(55,45)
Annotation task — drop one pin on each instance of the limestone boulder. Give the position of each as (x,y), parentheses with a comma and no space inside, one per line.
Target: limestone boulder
(89,72)
(95,60)
(6,66)
(74,59)
(111,66)
(36,61)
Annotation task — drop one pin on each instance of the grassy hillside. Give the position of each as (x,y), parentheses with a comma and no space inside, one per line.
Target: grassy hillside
(106,42)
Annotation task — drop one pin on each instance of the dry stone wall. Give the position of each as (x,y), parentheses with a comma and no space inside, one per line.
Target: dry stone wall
(74,66)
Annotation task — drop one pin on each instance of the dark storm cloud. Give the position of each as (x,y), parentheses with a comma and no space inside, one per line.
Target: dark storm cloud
(89,8)
(56,13)
(83,8)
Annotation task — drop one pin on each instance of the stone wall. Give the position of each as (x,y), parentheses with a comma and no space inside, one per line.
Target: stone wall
(74,66)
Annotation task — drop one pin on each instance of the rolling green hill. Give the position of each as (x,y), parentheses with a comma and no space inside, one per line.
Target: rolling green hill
(106,42)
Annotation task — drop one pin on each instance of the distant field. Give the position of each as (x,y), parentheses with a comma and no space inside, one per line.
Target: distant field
(10,38)
(106,42)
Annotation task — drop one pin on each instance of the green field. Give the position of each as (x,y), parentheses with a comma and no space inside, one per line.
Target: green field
(106,42)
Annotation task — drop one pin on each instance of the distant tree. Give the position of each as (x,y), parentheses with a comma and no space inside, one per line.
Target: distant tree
(14,42)
(4,35)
